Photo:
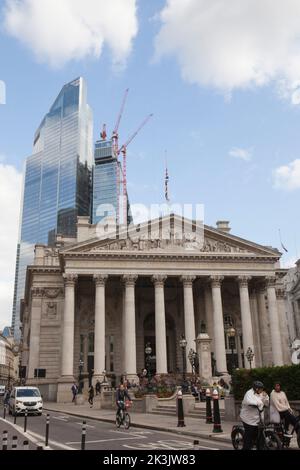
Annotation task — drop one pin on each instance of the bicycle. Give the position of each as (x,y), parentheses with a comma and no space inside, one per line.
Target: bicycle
(122,416)
(279,429)
(267,439)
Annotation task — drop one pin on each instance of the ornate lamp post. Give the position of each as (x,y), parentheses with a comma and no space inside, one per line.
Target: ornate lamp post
(231,335)
(148,351)
(81,363)
(193,360)
(183,344)
(250,356)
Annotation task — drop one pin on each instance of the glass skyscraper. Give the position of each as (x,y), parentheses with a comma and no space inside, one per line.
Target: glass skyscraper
(57,180)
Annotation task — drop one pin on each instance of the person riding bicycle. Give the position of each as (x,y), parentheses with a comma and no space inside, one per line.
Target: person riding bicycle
(121,396)
(253,403)
(280,402)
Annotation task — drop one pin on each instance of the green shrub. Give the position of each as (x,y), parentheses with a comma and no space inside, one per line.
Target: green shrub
(288,376)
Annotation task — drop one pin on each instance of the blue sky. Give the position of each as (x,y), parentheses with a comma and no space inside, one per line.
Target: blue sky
(223,89)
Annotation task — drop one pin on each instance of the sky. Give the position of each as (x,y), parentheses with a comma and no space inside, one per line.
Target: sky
(221,79)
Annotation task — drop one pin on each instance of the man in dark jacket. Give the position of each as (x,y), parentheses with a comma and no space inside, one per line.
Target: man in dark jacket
(121,396)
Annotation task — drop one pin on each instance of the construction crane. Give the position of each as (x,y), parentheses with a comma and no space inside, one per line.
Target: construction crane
(123,150)
(115,134)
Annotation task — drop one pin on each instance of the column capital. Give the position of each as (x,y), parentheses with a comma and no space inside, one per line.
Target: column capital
(187,280)
(100,279)
(130,279)
(280,293)
(159,280)
(243,280)
(70,279)
(216,281)
(271,281)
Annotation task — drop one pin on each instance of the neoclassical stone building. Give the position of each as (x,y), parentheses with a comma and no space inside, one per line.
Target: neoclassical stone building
(102,300)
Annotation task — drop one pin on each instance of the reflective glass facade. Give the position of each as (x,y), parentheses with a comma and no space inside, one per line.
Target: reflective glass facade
(57,180)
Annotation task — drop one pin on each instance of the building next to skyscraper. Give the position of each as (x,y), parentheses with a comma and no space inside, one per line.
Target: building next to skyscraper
(57,180)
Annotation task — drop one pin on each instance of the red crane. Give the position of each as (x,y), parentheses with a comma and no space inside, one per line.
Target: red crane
(123,149)
(115,134)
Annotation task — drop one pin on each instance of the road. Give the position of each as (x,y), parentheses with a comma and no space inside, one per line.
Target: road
(65,434)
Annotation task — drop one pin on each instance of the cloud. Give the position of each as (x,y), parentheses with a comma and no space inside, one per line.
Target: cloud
(58,31)
(234,45)
(243,154)
(10,195)
(287,176)
(289,262)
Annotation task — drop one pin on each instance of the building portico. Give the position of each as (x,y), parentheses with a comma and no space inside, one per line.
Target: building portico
(114,297)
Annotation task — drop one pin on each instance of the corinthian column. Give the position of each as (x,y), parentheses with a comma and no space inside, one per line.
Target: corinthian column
(274,322)
(219,338)
(129,327)
(189,317)
(99,348)
(246,318)
(67,369)
(160,325)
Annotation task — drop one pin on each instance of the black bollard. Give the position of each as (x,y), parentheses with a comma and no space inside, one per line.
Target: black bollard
(4,412)
(25,445)
(196,445)
(217,418)
(208,406)
(47,430)
(15,418)
(180,413)
(83,435)
(14,443)
(4,440)
(39,448)
(25,421)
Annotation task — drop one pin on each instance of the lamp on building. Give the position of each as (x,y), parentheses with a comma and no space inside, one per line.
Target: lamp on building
(183,344)
(231,335)
(148,352)
(81,363)
(250,356)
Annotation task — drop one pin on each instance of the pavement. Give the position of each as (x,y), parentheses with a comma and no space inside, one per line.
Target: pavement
(194,427)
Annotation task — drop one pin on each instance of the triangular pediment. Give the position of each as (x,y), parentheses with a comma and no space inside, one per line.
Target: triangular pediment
(175,235)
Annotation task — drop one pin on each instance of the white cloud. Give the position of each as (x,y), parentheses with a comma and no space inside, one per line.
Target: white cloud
(289,262)
(10,194)
(243,154)
(61,30)
(234,44)
(287,176)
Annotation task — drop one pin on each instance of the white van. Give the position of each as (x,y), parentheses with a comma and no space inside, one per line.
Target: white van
(2,390)
(25,398)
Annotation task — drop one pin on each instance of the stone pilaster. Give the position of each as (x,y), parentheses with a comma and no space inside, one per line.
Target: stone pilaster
(274,322)
(189,316)
(99,352)
(246,319)
(35,330)
(160,325)
(219,339)
(129,337)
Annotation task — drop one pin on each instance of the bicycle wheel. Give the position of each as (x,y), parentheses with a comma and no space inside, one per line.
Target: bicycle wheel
(118,421)
(270,441)
(127,421)
(237,438)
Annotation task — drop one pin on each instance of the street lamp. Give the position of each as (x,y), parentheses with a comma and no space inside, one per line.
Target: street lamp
(148,351)
(250,356)
(231,335)
(183,344)
(81,363)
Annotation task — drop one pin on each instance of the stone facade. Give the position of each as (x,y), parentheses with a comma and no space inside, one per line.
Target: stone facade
(103,300)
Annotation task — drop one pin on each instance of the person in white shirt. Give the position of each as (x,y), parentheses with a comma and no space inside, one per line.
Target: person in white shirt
(254,401)
(280,402)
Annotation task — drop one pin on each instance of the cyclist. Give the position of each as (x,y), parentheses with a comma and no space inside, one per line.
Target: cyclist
(121,396)
(280,402)
(253,403)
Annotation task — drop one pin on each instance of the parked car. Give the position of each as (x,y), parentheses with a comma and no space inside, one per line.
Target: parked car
(2,390)
(25,398)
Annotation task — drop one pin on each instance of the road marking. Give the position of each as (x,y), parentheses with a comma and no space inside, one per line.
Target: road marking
(20,431)
(63,418)
(169,445)
(53,443)
(87,425)
(110,440)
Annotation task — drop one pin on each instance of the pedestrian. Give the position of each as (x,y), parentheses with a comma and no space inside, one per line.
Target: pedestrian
(74,389)
(7,397)
(280,402)
(91,395)
(253,403)
(98,387)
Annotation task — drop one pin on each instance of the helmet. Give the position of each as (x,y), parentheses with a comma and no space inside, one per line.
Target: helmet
(257,384)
